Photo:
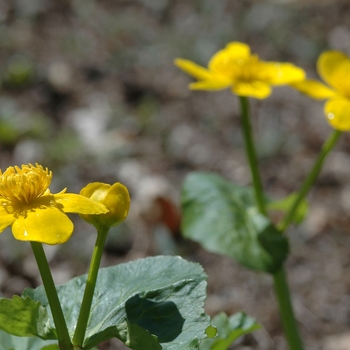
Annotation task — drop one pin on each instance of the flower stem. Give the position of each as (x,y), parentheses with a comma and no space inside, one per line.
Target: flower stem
(286,310)
(279,278)
(51,293)
(309,181)
(251,155)
(83,318)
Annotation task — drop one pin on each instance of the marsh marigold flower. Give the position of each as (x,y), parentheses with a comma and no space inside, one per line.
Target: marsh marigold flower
(244,73)
(115,197)
(34,213)
(334,68)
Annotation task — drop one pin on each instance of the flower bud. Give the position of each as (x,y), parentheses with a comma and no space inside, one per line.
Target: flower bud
(115,197)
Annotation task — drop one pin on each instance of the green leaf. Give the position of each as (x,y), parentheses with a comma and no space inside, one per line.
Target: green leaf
(223,218)
(11,342)
(143,303)
(25,318)
(229,330)
(285,205)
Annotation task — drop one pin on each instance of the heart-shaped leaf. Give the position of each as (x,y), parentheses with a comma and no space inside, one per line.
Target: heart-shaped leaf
(223,218)
(144,303)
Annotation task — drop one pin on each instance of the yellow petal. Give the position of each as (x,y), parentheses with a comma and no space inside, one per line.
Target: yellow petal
(237,49)
(118,202)
(96,191)
(256,89)
(75,203)
(46,225)
(314,89)
(193,69)
(223,59)
(219,84)
(281,73)
(6,217)
(337,112)
(334,68)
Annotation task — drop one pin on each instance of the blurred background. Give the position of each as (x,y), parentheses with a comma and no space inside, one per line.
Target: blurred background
(88,89)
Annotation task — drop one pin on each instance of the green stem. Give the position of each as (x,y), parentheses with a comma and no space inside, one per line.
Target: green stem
(286,310)
(280,281)
(309,181)
(251,155)
(279,278)
(83,318)
(51,293)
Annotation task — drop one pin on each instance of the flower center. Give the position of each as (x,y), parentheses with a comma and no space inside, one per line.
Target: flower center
(21,186)
(242,69)
(247,70)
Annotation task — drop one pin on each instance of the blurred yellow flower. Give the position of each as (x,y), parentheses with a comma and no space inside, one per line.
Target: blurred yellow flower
(34,213)
(245,73)
(334,69)
(115,197)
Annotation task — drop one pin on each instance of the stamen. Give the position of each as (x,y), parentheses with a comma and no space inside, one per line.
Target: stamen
(22,185)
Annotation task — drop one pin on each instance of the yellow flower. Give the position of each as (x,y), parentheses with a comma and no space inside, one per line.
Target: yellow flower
(245,73)
(115,197)
(34,213)
(334,69)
